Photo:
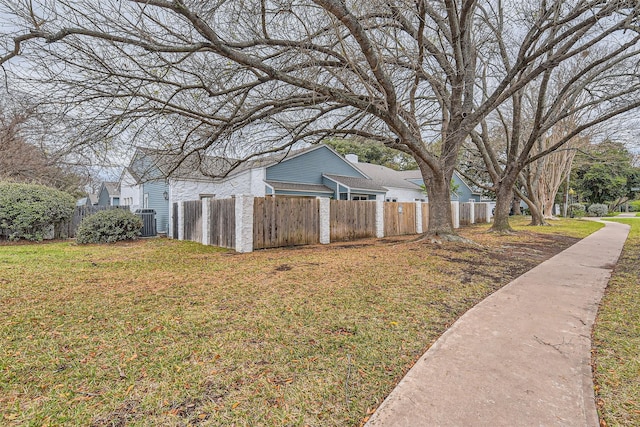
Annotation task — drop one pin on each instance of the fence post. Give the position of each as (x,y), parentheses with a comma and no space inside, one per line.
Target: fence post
(181,220)
(455,214)
(472,212)
(325,220)
(488,205)
(205,222)
(418,217)
(244,224)
(379,218)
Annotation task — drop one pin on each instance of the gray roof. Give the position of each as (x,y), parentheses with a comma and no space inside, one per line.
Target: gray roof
(357,183)
(200,166)
(192,166)
(295,186)
(113,188)
(388,177)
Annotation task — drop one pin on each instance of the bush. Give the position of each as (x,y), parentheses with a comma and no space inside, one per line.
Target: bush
(634,206)
(577,210)
(109,226)
(598,210)
(29,211)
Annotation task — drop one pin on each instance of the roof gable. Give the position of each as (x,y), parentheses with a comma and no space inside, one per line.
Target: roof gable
(308,166)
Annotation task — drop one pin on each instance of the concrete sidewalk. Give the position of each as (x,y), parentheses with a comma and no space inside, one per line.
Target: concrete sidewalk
(522,356)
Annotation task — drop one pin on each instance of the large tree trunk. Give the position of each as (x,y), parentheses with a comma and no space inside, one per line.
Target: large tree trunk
(537,218)
(504,200)
(504,197)
(438,190)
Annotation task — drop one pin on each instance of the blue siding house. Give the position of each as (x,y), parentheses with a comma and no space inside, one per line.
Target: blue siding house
(156,180)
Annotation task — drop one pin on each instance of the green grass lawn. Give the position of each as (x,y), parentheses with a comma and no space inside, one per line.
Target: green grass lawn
(162,332)
(616,339)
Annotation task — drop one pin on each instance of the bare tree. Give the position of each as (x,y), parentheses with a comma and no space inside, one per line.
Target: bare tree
(593,87)
(542,178)
(24,161)
(241,78)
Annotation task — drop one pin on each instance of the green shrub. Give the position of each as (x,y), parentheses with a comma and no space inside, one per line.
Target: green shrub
(28,211)
(599,210)
(634,206)
(577,210)
(109,226)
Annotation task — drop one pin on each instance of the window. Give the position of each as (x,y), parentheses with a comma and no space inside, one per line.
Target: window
(359,197)
(206,196)
(391,199)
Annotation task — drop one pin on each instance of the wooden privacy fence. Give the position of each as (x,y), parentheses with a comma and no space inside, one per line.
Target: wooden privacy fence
(245,223)
(465,213)
(286,221)
(351,219)
(69,228)
(481,213)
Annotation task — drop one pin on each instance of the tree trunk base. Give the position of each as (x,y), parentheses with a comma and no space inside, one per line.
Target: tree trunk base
(504,231)
(439,238)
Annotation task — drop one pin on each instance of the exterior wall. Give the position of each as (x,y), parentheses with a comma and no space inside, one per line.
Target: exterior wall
(130,190)
(405,194)
(308,168)
(258,188)
(464,193)
(154,190)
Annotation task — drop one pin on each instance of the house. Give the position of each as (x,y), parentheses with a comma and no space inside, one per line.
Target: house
(109,194)
(156,180)
(399,187)
(91,199)
(408,186)
(460,190)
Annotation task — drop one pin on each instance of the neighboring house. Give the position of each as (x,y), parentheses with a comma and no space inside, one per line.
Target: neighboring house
(461,191)
(90,200)
(109,194)
(154,180)
(399,187)
(408,186)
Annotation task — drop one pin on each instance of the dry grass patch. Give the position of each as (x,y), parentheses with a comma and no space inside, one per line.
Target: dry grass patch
(161,332)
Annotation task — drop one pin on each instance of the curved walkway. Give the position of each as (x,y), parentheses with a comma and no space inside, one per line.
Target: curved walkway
(522,357)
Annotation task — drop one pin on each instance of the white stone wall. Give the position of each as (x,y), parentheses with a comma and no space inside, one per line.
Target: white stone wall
(404,194)
(183,191)
(257,177)
(325,221)
(244,224)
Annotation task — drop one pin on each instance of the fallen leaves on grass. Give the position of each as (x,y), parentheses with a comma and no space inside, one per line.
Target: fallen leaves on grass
(301,336)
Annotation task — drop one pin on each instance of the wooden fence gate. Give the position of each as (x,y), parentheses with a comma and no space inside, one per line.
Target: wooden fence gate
(285,221)
(222,222)
(350,220)
(193,220)
(399,218)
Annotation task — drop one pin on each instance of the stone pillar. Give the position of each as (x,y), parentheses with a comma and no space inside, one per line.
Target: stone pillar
(472,212)
(181,220)
(244,224)
(455,214)
(419,229)
(205,222)
(325,220)
(379,218)
(488,207)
